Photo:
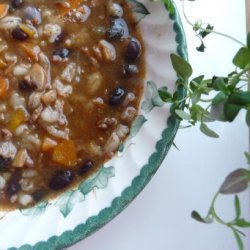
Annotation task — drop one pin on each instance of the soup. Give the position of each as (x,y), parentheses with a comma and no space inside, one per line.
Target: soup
(71,78)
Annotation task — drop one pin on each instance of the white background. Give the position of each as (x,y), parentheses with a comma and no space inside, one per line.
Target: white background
(159,218)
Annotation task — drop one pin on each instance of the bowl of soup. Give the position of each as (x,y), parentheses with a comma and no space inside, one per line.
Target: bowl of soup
(82,125)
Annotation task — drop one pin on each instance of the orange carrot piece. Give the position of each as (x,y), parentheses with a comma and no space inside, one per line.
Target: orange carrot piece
(4,86)
(3,10)
(16,119)
(65,154)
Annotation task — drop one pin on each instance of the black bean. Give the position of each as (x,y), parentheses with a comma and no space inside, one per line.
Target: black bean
(117,96)
(16,3)
(61,179)
(39,194)
(4,163)
(86,167)
(25,86)
(19,34)
(32,14)
(13,185)
(130,69)
(133,50)
(118,29)
(63,52)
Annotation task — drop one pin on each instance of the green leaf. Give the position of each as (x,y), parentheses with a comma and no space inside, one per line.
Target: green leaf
(242,58)
(238,240)
(235,182)
(195,215)
(164,94)
(169,6)
(137,125)
(248,117)
(207,131)
(183,115)
(196,82)
(67,201)
(201,48)
(208,30)
(219,98)
(181,67)
(242,223)
(98,180)
(36,210)
(231,111)
(239,97)
(139,10)
(237,207)
(195,97)
(219,84)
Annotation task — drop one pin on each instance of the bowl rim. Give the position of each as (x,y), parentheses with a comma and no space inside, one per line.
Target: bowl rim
(118,204)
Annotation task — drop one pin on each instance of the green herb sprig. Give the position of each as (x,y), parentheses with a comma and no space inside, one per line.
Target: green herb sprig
(219,98)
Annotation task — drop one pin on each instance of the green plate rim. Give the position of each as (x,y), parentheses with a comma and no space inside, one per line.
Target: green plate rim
(94,223)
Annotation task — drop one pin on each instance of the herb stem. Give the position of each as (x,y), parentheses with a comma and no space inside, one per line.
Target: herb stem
(209,30)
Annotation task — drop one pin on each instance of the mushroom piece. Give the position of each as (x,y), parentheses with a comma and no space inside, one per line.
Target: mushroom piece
(36,77)
(108,51)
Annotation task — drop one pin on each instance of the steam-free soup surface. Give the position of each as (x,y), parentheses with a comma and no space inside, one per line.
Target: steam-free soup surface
(71,77)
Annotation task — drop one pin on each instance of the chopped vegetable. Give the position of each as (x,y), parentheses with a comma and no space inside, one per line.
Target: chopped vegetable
(65,154)
(3,10)
(16,119)
(4,85)
(48,144)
